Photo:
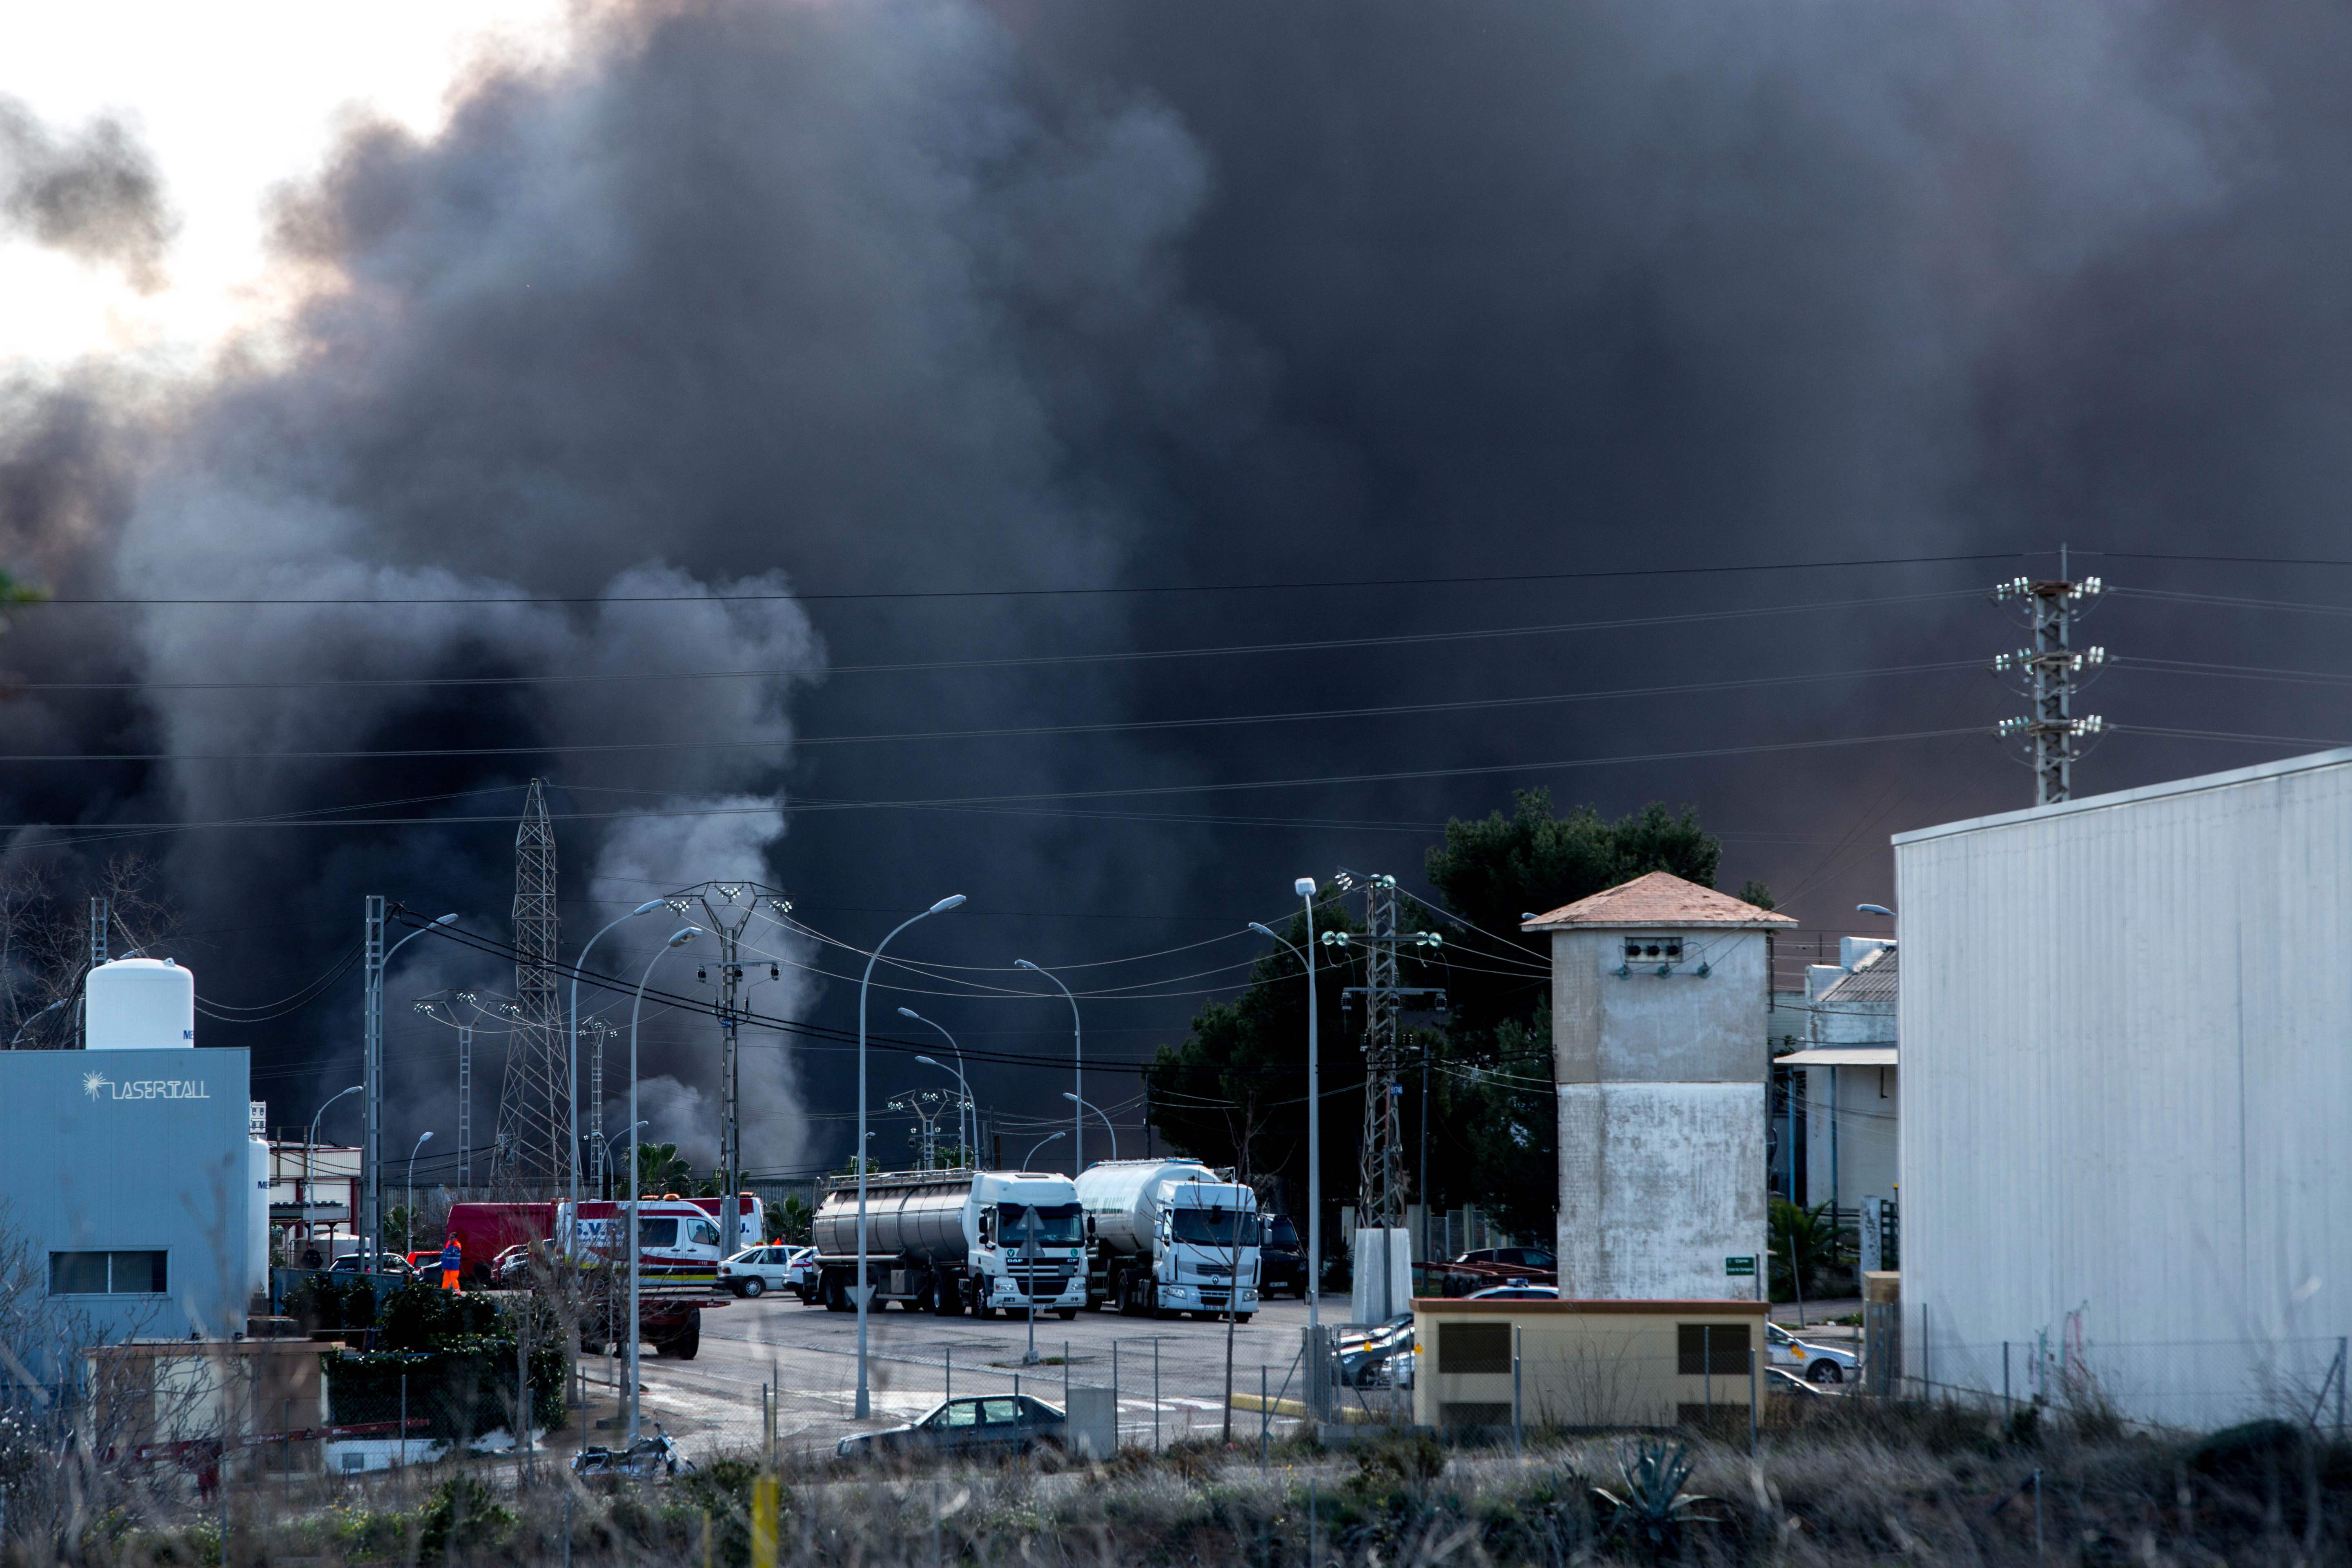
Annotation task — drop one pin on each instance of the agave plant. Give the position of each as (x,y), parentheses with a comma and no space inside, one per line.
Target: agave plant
(1653,1508)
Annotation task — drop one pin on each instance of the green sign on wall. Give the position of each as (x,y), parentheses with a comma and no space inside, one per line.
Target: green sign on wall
(1739,1266)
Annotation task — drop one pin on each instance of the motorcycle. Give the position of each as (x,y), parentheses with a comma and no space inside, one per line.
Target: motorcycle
(657,1458)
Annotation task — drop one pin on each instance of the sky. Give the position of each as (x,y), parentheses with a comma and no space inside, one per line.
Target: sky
(1110,460)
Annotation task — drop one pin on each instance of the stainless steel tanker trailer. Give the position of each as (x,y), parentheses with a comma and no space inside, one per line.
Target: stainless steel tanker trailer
(954,1241)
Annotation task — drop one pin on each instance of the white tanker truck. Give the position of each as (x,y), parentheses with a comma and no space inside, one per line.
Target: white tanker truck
(954,1241)
(1171,1236)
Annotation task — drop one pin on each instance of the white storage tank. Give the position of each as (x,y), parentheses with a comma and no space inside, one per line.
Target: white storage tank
(256,1217)
(140,1004)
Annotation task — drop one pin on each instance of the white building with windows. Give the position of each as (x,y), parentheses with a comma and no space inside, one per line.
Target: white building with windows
(1849,1095)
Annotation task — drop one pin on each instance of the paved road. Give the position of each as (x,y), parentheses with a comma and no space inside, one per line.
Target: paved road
(713,1401)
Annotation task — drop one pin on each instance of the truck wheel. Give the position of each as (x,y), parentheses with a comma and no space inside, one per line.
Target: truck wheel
(836,1298)
(1160,1312)
(1066,1313)
(947,1299)
(683,1344)
(1244,1316)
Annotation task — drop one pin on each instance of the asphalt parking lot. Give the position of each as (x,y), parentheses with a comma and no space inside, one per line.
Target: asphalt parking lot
(713,1403)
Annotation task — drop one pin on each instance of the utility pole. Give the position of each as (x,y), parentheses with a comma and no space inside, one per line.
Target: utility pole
(371,1140)
(99,918)
(1380,1190)
(597,1152)
(727,909)
(2050,673)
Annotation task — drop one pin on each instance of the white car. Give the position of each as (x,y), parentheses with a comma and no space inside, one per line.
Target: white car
(1813,1363)
(756,1270)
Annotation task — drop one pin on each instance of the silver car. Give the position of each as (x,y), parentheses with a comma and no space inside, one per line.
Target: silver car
(1002,1424)
(1803,1358)
(756,1270)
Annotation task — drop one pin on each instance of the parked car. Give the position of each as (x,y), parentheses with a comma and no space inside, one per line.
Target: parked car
(1486,1265)
(1281,1260)
(1516,1290)
(385,1263)
(1002,1424)
(512,1266)
(1815,1362)
(1377,1356)
(756,1270)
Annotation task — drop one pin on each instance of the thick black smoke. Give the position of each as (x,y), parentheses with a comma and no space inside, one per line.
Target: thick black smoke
(95,195)
(937,298)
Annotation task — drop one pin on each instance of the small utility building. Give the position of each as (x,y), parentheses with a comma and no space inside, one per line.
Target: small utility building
(127,1175)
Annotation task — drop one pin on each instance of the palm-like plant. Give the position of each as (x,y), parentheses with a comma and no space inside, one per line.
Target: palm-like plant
(1652,1508)
(1808,1249)
(660,1170)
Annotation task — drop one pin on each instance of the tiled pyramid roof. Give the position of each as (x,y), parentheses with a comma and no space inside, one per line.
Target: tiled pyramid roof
(1660,898)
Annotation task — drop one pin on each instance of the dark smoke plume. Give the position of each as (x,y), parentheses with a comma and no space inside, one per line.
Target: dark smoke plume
(95,195)
(751,300)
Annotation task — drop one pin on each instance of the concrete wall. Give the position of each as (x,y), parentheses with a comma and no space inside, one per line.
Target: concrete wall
(1662,1103)
(1866,1105)
(2125,1025)
(132,1151)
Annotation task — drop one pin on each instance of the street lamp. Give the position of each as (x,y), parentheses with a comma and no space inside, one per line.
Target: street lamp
(865,1405)
(1305,887)
(309,1142)
(582,962)
(678,938)
(371,1154)
(1078,1070)
(910,1013)
(1099,1110)
(425,1137)
(1037,1145)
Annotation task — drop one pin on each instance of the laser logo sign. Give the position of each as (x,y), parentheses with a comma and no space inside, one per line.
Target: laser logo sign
(98,1086)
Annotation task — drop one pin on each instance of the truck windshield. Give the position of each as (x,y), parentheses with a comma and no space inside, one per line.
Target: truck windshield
(1058,1225)
(1206,1227)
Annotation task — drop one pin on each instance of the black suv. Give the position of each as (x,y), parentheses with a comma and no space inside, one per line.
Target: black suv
(1281,1259)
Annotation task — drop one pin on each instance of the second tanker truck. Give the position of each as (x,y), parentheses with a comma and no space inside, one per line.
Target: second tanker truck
(1171,1236)
(954,1241)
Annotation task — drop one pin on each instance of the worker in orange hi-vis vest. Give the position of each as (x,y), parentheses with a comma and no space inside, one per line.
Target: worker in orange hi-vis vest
(453,1262)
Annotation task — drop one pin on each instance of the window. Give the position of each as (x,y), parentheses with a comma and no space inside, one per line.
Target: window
(1473,1347)
(1000,1412)
(1717,1349)
(959,1413)
(1654,950)
(1204,1228)
(1280,1232)
(702,1233)
(654,1232)
(107,1274)
(1058,1225)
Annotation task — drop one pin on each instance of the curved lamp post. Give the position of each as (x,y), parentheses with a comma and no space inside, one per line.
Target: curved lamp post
(1037,1145)
(37,1018)
(1099,1110)
(422,1139)
(311,1141)
(371,1154)
(864,1407)
(574,1087)
(1077,1068)
(678,938)
(958,1071)
(1305,887)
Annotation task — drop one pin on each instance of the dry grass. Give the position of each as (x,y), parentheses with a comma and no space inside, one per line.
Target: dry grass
(1858,1483)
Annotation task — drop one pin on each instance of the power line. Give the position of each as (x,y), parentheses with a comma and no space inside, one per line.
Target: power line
(840,596)
(1227,650)
(1024,731)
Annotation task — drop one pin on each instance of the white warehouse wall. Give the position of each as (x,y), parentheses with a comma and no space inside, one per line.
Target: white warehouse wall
(2126,1027)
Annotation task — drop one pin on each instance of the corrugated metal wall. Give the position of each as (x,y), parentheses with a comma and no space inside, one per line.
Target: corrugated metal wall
(2127,1037)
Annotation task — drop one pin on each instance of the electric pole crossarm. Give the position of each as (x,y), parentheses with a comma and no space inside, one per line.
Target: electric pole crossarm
(2050,673)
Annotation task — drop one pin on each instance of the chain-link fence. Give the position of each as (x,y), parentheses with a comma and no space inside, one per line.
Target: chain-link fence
(2183,1385)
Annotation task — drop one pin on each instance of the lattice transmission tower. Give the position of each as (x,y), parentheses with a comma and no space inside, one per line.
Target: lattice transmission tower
(2050,673)
(1381,1173)
(534,1134)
